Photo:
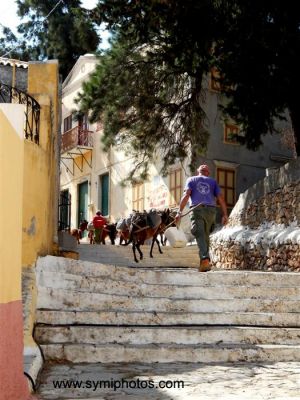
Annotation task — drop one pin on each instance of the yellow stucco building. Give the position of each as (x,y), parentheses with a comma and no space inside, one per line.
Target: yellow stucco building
(29,113)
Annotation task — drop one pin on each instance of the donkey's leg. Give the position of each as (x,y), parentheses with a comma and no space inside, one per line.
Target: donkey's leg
(134,254)
(138,246)
(159,248)
(154,239)
(151,248)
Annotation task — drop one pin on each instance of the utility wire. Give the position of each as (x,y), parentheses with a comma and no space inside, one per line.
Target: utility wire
(56,5)
(40,23)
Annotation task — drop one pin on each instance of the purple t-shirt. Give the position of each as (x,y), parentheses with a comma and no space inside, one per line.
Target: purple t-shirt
(203,190)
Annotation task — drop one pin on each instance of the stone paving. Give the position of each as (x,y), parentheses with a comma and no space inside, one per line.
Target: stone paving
(239,381)
(123,256)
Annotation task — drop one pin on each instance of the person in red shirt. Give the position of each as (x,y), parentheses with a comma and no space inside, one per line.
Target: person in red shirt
(98,221)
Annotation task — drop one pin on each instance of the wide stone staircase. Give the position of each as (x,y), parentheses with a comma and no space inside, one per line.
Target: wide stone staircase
(104,308)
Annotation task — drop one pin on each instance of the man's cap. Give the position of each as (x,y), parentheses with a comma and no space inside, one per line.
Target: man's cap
(203,167)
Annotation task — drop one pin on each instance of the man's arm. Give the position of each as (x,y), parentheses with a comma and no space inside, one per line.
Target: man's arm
(223,205)
(183,202)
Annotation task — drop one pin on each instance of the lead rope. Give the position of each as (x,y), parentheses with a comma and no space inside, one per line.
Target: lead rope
(192,209)
(183,215)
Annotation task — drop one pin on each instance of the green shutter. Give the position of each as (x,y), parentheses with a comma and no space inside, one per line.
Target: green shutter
(104,194)
(82,202)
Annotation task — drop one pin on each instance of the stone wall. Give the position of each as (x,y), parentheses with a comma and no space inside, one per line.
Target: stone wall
(13,74)
(263,232)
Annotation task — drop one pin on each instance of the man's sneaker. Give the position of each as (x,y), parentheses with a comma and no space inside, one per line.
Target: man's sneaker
(205,265)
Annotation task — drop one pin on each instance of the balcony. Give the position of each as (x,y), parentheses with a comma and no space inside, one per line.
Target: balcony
(32,111)
(75,144)
(76,138)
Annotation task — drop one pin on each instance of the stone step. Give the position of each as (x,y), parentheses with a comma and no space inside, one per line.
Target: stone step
(128,252)
(185,276)
(192,381)
(196,335)
(123,255)
(165,263)
(117,249)
(86,353)
(175,253)
(32,364)
(154,318)
(60,299)
(108,285)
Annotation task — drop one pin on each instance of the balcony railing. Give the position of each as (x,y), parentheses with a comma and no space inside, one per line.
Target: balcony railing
(10,94)
(76,137)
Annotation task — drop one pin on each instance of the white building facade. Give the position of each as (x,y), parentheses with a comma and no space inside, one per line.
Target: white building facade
(91,178)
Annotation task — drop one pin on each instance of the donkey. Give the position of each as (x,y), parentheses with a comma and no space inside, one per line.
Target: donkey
(77,233)
(140,230)
(109,230)
(167,219)
(123,226)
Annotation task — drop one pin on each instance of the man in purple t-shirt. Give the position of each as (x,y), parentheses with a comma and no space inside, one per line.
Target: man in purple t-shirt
(204,191)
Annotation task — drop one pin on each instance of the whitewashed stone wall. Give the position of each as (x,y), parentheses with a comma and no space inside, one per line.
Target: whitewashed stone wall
(263,232)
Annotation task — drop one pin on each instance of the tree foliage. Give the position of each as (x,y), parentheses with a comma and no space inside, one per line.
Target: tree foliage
(149,86)
(143,106)
(258,56)
(148,93)
(13,46)
(52,30)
